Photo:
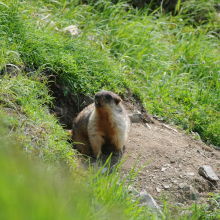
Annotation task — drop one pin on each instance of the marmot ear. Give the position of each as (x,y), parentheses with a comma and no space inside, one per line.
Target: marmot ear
(118,100)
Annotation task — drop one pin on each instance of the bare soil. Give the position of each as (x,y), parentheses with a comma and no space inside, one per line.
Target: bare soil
(174,157)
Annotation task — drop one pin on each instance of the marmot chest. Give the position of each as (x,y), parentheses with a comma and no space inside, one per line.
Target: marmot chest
(106,126)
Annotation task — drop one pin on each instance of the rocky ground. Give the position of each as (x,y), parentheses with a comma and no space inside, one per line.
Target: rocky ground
(174,161)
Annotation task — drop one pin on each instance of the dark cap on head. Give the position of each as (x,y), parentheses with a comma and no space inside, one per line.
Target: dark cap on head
(106,96)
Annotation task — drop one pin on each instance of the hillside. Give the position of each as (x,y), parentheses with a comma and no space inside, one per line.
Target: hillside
(170,62)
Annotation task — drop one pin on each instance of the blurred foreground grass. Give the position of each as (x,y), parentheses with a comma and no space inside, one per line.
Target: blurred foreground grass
(30,189)
(33,190)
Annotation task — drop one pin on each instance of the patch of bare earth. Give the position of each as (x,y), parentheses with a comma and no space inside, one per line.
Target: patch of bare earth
(174,157)
(174,162)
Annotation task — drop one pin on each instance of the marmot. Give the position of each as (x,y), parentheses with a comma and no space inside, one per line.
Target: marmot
(104,122)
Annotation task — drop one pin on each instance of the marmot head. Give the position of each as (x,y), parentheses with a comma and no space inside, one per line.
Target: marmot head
(104,98)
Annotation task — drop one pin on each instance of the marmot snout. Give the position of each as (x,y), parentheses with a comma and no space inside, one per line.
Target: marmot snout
(104,122)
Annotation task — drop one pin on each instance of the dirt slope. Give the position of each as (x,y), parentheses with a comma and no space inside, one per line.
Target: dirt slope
(175,160)
(174,157)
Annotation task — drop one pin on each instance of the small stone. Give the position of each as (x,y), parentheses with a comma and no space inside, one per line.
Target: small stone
(167,165)
(71,30)
(148,126)
(135,117)
(215,147)
(104,170)
(197,136)
(163,169)
(150,202)
(166,126)
(184,186)
(158,189)
(52,24)
(191,174)
(166,186)
(172,160)
(181,185)
(208,173)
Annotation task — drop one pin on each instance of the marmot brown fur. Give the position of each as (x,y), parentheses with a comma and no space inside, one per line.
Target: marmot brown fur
(104,122)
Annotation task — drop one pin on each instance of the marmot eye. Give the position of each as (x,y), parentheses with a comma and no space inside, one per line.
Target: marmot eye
(108,97)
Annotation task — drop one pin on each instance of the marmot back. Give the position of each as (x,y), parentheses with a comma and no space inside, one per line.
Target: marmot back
(104,122)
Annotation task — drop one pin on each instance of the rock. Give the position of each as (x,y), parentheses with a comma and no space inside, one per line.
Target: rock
(50,24)
(208,173)
(197,136)
(45,21)
(163,169)
(150,202)
(71,30)
(168,127)
(215,147)
(147,125)
(12,70)
(172,160)
(184,186)
(166,186)
(135,117)
(104,170)
(158,189)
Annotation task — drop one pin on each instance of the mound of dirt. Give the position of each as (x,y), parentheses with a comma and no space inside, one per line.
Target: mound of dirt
(174,157)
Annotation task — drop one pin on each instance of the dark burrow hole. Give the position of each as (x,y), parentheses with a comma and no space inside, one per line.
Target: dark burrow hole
(67,104)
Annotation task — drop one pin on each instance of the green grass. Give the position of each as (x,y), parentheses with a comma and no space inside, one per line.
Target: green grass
(171,62)
(59,183)
(26,100)
(30,189)
(33,189)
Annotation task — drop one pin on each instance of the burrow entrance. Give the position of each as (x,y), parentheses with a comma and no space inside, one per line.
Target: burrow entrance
(67,105)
